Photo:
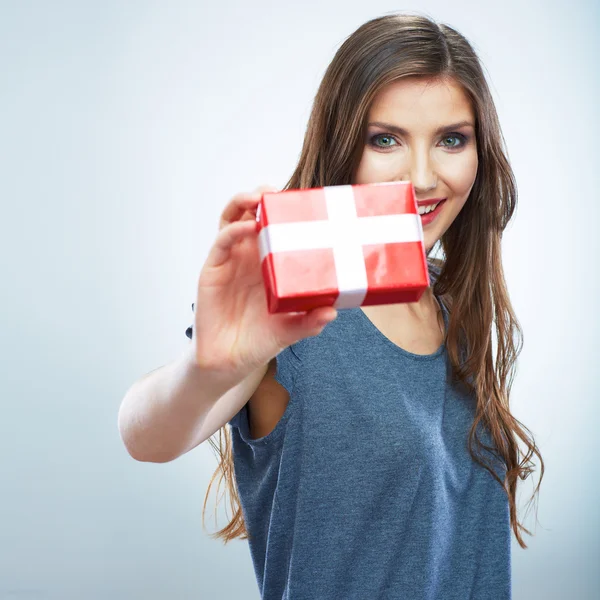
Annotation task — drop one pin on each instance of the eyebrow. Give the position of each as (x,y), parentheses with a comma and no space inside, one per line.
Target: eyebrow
(400,131)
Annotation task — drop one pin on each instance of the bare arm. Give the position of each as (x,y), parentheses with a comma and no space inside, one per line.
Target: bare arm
(175,408)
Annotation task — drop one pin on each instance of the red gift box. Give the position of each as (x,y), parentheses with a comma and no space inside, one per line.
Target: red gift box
(342,246)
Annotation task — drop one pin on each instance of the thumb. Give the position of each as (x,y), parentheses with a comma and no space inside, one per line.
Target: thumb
(297,326)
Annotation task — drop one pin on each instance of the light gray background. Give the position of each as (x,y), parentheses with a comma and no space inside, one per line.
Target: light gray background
(125,127)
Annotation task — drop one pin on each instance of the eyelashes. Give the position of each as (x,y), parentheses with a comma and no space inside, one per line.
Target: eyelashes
(463,140)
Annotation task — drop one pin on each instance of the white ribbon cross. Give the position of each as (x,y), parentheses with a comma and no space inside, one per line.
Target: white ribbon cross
(346,234)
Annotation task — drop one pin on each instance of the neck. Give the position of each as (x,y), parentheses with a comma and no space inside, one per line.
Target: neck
(422,310)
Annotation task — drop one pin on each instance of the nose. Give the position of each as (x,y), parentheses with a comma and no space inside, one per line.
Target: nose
(421,173)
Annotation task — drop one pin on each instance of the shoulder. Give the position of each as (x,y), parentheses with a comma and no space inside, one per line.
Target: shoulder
(310,354)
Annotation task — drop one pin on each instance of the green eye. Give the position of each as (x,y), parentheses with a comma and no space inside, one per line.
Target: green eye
(387,140)
(456,136)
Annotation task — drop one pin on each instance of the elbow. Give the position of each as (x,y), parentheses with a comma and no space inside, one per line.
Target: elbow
(139,451)
(128,440)
(150,458)
(144,454)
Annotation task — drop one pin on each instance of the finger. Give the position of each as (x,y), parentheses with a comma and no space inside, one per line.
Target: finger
(248,215)
(297,326)
(237,206)
(263,189)
(227,238)
(243,205)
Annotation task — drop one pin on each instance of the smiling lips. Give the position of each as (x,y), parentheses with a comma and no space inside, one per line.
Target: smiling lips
(429,209)
(428,203)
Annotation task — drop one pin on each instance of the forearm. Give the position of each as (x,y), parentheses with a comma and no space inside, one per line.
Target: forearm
(161,415)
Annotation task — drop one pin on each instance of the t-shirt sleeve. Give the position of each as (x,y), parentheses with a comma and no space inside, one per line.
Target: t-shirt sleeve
(288,364)
(287,368)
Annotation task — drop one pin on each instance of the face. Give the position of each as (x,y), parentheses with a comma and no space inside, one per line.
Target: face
(414,134)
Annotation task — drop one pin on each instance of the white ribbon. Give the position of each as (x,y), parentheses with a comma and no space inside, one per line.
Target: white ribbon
(346,234)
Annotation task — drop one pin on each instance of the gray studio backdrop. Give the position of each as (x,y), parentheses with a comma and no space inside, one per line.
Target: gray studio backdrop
(125,127)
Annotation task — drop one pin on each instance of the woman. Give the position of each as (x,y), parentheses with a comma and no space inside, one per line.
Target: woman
(372,452)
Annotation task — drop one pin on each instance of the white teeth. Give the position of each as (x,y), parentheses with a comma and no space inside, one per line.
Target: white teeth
(425,209)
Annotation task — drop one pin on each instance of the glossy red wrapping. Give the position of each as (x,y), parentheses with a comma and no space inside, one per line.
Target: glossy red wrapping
(298,277)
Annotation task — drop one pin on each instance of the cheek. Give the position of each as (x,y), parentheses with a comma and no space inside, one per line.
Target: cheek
(460,176)
(361,174)
(373,168)
(457,172)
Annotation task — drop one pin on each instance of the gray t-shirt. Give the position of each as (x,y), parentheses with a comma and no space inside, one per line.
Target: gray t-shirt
(366,489)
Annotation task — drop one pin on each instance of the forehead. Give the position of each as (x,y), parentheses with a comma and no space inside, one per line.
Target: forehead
(417,99)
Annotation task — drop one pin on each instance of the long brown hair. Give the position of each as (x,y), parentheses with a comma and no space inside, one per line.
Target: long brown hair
(471,280)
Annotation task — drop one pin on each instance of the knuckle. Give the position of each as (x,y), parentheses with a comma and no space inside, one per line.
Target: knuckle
(238,198)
